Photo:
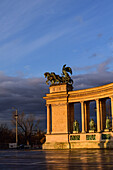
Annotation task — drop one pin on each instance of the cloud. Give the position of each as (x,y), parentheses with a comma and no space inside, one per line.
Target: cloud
(103,67)
(111,38)
(93,55)
(18,15)
(85,68)
(24,94)
(79,19)
(99,35)
(99,77)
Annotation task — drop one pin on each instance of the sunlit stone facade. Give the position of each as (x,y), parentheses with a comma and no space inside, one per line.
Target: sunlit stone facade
(60,117)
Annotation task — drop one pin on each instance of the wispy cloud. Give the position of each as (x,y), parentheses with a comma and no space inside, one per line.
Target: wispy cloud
(96,75)
(15,17)
(99,35)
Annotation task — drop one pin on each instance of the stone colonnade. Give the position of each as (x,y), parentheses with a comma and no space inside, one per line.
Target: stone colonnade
(100,113)
(85,110)
(60,117)
(85,115)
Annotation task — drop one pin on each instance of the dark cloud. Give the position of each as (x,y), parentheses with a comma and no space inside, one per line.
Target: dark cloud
(26,94)
(92,80)
(97,78)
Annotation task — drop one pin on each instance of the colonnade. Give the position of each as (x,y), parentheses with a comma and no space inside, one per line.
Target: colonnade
(60,117)
(100,114)
(85,115)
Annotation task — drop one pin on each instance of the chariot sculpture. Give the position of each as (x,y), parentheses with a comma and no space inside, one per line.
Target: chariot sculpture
(56,79)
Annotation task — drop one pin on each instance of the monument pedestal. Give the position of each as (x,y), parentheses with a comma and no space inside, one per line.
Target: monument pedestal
(56,141)
(60,117)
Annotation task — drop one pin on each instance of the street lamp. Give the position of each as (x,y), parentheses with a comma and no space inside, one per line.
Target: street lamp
(16,117)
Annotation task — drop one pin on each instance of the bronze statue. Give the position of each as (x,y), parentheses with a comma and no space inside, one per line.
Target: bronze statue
(76,126)
(108,123)
(52,77)
(55,79)
(92,125)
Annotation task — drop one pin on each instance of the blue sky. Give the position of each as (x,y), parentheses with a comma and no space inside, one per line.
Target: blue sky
(43,35)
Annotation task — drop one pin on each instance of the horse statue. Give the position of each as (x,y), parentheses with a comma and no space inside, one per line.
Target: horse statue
(56,79)
(53,78)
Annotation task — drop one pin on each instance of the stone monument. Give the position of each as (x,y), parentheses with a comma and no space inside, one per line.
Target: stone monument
(62,131)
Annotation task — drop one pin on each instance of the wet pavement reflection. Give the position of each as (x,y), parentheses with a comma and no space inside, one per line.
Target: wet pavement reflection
(56,159)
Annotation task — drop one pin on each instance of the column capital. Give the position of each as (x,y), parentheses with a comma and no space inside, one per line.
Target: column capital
(47,105)
(82,101)
(97,99)
(111,97)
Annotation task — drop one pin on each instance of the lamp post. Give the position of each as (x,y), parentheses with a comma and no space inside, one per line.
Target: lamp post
(16,117)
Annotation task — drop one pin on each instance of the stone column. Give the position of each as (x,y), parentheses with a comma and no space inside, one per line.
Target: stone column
(104,113)
(112,111)
(87,115)
(83,116)
(98,115)
(85,112)
(101,115)
(48,119)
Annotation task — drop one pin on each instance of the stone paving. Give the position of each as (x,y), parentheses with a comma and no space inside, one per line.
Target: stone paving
(56,159)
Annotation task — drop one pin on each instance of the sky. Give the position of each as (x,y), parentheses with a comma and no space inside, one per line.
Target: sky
(43,35)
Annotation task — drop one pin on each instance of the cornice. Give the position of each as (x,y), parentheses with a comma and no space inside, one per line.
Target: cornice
(100,92)
(105,91)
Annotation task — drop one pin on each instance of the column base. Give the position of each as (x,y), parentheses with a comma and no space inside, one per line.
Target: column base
(106,130)
(56,145)
(76,131)
(91,131)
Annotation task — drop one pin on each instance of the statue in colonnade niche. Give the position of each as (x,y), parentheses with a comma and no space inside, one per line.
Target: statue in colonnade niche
(92,127)
(108,122)
(56,79)
(76,127)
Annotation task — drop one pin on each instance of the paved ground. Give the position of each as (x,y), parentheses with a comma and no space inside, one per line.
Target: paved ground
(56,159)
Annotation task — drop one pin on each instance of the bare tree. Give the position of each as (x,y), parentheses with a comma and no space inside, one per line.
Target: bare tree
(27,125)
(6,136)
